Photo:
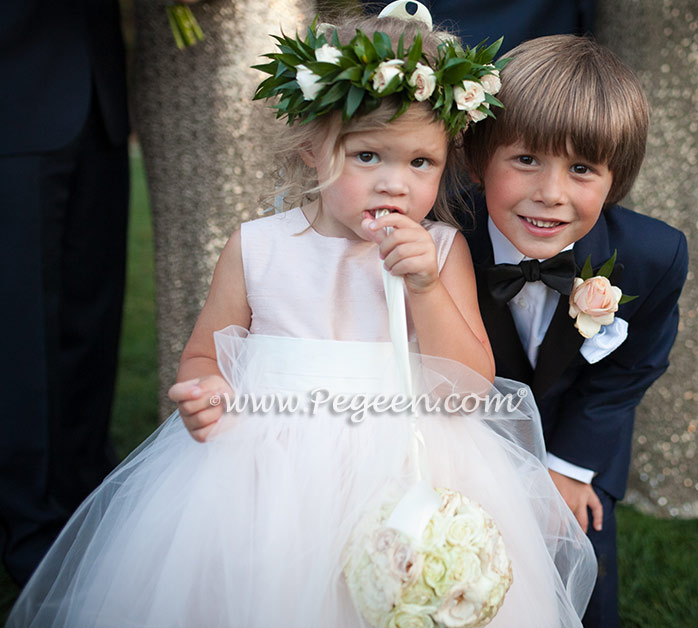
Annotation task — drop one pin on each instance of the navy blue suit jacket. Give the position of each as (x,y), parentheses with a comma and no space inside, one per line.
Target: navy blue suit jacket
(52,54)
(588,410)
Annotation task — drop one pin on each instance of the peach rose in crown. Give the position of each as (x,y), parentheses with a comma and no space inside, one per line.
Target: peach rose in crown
(593,303)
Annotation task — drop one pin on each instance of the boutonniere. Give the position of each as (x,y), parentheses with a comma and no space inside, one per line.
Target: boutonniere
(594,301)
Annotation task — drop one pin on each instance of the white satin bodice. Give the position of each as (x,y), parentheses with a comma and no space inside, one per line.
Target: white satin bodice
(303,284)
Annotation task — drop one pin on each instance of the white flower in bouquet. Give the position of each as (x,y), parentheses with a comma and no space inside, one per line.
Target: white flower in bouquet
(455,576)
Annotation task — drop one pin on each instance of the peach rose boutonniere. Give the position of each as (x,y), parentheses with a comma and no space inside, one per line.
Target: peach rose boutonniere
(594,301)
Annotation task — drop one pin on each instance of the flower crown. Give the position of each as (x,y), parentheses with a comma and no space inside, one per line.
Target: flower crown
(315,76)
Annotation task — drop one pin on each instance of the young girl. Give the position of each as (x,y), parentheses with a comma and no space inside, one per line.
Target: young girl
(248,528)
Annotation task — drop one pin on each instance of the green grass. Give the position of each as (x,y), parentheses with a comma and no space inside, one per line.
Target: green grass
(658,559)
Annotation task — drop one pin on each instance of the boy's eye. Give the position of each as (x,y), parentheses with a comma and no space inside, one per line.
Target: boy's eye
(420,162)
(526,160)
(580,169)
(367,157)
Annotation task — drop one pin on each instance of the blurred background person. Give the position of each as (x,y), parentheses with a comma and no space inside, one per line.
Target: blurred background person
(64,185)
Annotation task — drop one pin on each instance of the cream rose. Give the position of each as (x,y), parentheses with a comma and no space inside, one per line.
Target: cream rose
(469,95)
(424,79)
(419,593)
(465,566)
(457,609)
(405,563)
(491,82)
(328,54)
(593,303)
(435,572)
(386,72)
(308,81)
(410,617)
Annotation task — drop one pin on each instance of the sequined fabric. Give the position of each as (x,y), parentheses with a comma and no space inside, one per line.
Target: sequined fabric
(659,39)
(199,133)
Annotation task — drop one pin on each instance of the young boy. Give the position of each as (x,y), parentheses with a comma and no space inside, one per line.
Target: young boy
(565,149)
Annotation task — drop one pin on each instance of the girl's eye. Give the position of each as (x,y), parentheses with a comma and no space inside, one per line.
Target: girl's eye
(367,157)
(580,169)
(420,163)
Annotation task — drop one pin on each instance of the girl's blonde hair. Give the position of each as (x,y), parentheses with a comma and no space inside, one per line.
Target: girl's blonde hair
(297,182)
(567,90)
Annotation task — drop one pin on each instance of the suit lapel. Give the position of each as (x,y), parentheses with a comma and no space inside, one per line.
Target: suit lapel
(512,361)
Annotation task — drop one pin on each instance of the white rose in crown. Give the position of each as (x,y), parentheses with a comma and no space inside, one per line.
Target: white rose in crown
(328,54)
(469,95)
(424,79)
(308,81)
(455,576)
(386,72)
(476,115)
(593,300)
(491,83)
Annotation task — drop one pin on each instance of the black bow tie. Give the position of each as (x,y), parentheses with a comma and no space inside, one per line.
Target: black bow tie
(506,280)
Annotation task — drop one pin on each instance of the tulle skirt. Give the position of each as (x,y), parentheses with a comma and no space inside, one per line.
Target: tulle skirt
(247,530)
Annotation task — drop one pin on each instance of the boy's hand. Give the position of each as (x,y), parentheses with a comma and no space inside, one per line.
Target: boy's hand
(579,496)
(408,251)
(201,403)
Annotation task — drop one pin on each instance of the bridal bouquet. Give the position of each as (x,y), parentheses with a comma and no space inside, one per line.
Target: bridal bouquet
(455,576)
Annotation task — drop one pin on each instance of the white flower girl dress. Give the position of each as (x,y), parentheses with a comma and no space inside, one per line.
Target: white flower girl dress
(247,530)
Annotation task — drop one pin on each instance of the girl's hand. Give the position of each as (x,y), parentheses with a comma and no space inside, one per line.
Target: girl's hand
(408,251)
(201,403)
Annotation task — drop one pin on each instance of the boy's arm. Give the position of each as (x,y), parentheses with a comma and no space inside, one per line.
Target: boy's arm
(597,412)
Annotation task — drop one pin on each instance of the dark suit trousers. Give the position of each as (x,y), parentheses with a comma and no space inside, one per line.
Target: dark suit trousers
(602,611)
(62,257)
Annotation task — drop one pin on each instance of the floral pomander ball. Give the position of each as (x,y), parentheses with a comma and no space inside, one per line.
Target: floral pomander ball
(455,576)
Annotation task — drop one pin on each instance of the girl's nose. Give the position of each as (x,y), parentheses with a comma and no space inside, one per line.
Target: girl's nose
(391,181)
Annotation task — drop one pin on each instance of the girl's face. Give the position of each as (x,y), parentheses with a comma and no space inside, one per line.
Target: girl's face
(544,202)
(398,168)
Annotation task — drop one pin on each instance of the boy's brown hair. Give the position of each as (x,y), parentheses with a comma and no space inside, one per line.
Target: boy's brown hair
(566,88)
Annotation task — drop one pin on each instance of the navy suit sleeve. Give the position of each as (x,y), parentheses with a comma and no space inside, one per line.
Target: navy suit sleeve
(595,415)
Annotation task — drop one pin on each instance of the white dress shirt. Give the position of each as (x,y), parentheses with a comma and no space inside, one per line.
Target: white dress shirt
(532,310)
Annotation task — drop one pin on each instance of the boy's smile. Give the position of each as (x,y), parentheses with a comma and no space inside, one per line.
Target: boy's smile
(544,202)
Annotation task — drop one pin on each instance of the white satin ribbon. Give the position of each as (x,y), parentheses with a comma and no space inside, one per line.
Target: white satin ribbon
(414,511)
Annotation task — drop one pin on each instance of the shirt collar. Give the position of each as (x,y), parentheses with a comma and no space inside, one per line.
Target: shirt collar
(504,251)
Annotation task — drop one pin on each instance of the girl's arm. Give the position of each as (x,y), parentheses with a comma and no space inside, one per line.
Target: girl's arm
(444,306)
(199,378)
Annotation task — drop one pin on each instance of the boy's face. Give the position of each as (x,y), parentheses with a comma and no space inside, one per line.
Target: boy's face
(543,202)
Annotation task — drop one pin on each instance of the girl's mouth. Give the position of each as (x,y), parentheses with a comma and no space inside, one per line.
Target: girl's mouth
(392,210)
